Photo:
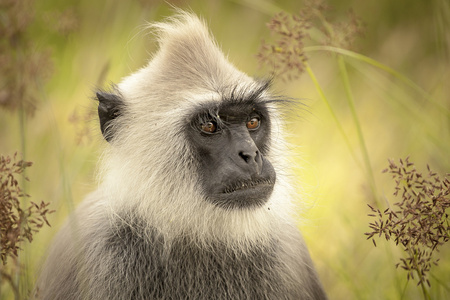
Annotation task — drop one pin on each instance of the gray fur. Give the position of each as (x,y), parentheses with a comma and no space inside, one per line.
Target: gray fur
(147,232)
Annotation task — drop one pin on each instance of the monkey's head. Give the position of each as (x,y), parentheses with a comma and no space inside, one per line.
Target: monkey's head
(192,141)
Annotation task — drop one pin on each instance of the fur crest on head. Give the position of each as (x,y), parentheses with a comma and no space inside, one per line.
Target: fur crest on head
(150,170)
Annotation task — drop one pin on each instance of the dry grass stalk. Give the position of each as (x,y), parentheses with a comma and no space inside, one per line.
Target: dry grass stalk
(23,67)
(419,222)
(17,224)
(285,55)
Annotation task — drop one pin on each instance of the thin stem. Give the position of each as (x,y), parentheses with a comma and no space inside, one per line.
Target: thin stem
(443,284)
(447,232)
(351,104)
(383,67)
(21,255)
(404,290)
(426,295)
(361,140)
(327,103)
(14,288)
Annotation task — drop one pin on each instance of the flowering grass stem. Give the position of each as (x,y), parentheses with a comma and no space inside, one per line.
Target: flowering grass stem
(327,103)
(383,67)
(362,143)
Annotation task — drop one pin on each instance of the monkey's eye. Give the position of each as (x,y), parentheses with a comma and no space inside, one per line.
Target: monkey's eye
(209,127)
(253,123)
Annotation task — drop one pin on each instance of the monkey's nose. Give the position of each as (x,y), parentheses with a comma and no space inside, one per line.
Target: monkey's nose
(248,156)
(253,161)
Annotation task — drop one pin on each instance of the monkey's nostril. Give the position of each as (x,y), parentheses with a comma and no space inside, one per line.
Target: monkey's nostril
(243,156)
(247,157)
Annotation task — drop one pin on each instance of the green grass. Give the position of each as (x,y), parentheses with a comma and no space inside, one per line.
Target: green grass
(387,100)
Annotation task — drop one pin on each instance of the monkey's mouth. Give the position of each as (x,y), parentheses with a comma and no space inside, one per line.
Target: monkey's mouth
(248,184)
(244,194)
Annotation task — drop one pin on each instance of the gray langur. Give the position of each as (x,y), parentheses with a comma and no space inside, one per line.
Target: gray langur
(194,202)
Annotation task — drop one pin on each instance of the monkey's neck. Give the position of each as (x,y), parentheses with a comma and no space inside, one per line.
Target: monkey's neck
(208,235)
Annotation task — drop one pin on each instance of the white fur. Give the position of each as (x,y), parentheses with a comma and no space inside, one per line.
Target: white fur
(147,168)
(150,181)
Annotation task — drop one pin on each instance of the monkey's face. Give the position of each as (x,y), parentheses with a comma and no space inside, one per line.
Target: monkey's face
(230,141)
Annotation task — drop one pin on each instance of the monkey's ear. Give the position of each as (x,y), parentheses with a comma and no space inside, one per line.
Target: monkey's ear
(109,108)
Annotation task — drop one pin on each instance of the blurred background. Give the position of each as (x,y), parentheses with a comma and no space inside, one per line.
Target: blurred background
(54,54)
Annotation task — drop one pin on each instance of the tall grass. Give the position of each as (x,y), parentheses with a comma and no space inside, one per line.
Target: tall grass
(287,54)
(387,100)
(419,223)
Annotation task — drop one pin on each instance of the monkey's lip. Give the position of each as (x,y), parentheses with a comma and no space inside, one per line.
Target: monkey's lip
(245,185)
(244,194)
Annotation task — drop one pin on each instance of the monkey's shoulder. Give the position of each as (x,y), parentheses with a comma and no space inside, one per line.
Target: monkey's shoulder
(122,258)
(141,261)
(181,269)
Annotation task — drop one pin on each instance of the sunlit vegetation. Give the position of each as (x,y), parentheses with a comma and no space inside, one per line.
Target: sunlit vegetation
(372,79)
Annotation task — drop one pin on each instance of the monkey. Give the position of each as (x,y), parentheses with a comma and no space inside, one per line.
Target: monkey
(194,201)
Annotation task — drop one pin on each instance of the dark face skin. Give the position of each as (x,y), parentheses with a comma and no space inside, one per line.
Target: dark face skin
(231,141)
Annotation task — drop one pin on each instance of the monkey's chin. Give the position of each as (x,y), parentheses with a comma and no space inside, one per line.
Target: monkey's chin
(244,196)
